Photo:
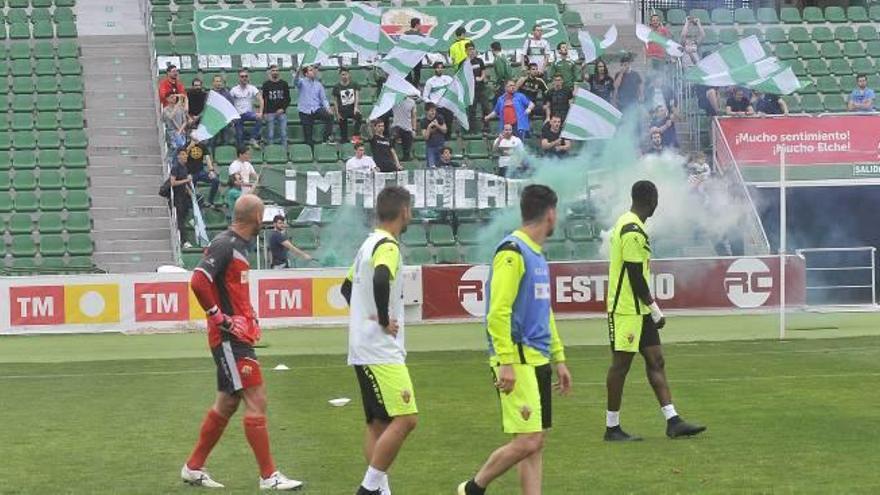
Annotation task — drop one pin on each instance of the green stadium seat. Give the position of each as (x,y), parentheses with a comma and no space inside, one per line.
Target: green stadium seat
(81,263)
(23,85)
(43,30)
(44,67)
(874,12)
(835,103)
(20,31)
(5,161)
(71,120)
(827,84)
(75,159)
(21,67)
(840,67)
(586,250)
(65,29)
(47,102)
(868,33)
(52,245)
(476,149)
(75,139)
(51,201)
(469,233)
(5,181)
(753,31)
(76,180)
(857,13)
(418,256)
(872,48)
(441,235)
(726,36)
(224,154)
(67,49)
(301,153)
(69,67)
(817,67)
(78,221)
(835,14)
(48,139)
(785,51)
(556,251)
(5,141)
(790,15)
(702,15)
(50,180)
(77,201)
(43,50)
(415,235)
(767,15)
(18,4)
(812,104)
(24,159)
(813,15)
(23,246)
(853,50)
(71,84)
(831,50)
(80,245)
(24,180)
(304,237)
(20,224)
(22,103)
(449,254)
(50,223)
(26,202)
(275,154)
(821,34)
(22,122)
(6,202)
(775,34)
(419,150)
(807,51)
(844,34)
(794,104)
(744,16)
(862,66)
(676,17)
(63,14)
(47,85)
(326,153)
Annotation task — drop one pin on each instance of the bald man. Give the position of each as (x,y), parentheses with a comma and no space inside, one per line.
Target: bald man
(220,283)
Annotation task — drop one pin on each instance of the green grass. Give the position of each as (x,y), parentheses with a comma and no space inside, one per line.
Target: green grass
(119,414)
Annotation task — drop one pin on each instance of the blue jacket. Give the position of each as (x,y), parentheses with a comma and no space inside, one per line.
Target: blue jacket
(520,104)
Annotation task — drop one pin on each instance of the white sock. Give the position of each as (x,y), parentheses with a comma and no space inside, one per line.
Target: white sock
(612,418)
(372,479)
(386,488)
(669,411)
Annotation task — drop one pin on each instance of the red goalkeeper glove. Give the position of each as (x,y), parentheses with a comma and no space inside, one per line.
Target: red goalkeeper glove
(244,329)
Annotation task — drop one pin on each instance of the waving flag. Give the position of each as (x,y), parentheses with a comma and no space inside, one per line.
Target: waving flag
(459,94)
(199,222)
(738,75)
(217,115)
(594,48)
(362,33)
(648,35)
(408,51)
(322,46)
(783,82)
(395,89)
(590,117)
(745,52)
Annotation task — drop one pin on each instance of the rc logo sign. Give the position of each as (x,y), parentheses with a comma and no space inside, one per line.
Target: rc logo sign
(748,283)
(472,290)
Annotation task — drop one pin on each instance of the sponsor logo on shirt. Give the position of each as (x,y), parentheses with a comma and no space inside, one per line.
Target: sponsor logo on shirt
(542,291)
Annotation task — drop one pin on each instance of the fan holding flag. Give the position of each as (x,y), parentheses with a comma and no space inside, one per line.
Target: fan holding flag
(659,44)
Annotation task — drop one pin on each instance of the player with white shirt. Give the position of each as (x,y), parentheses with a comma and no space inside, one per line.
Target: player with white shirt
(374,291)
(360,162)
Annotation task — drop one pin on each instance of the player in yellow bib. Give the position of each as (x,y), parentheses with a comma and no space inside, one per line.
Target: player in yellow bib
(634,317)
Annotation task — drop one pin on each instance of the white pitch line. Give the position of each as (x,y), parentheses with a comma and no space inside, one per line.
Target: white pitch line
(754,378)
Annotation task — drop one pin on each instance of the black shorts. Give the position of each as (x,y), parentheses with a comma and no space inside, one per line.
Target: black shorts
(544,374)
(628,333)
(237,367)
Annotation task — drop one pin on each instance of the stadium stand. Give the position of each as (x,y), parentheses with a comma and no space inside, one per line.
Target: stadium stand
(44,199)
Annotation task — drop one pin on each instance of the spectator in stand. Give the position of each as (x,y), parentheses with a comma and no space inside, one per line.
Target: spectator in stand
(501,70)
(601,83)
(507,147)
(628,87)
(658,92)
(233,192)
(170,85)
(769,104)
(347,105)
(180,181)
(563,66)
(382,151)
(662,122)
(709,99)
(691,40)
(243,167)
(862,98)
(480,100)
(655,146)
(739,103)
(404,124)
(279,245)
(218,84)
(243,96)
(536,50)
(557,100)
(175,119)
(552,142)
(655,53)
(276,94)
(434,128)
(513,108)
(201,167)
(698,169)
(360,161)
(433,90)
(446,159)
(458,49)
(532,84)
(196,96)
(415,75)
(313,104)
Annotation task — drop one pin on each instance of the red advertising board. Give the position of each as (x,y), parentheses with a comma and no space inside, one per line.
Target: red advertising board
(36,305)
(806,140)
(161,301)
(458,291)
(285,297)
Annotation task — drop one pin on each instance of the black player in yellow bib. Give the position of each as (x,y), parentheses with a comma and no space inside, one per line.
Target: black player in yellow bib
(634,317)
(523,342)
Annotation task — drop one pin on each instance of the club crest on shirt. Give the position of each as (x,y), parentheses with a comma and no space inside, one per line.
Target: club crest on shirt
(525,412)
(244,276)
(246,370)
(542,291)
(630,338)
(406,395)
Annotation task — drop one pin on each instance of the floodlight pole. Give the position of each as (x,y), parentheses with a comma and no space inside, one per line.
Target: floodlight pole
(783,220)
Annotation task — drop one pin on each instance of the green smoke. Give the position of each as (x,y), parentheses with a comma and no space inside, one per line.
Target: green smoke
(340,239)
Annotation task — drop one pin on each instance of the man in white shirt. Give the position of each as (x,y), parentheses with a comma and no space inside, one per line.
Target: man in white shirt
(242,166)
(432,92)
(403,125)
(243,96)
(536,49)
(507,147)
(360,161)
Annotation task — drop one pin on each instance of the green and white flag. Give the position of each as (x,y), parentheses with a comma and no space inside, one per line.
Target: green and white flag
(458,95)
(648,35)
(744,52)
(408,51)
(590,117)
(218,113)
(395,89)
(322,46)
(201,231)
(784,82)
(362,33)
(594,48)
(739,75)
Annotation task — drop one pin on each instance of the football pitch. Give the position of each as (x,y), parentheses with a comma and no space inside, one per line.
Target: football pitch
(119,414)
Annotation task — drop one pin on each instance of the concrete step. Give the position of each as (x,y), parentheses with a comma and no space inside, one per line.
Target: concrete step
(158,210)
(139,267)
(132,234)
(133,246)
(126,98)
(112,42)
(123,150)
(104,118)
(132,161)
(110,223)
(152,181)
(138,137)
(144,257)
(135,84)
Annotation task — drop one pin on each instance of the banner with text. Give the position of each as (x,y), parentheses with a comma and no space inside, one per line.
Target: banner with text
(431,188)
(458,291)
(245,31)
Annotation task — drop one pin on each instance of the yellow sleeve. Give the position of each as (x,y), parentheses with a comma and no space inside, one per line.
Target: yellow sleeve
(508,269)
(632,246)
(557,350)
(387,254)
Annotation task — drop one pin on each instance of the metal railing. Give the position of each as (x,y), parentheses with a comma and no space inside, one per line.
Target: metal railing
(826,282)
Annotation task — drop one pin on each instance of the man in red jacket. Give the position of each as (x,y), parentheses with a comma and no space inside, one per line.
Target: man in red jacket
(171,85)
